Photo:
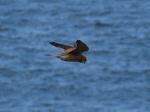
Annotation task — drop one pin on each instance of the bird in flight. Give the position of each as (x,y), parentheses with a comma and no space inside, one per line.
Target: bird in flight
(72,53)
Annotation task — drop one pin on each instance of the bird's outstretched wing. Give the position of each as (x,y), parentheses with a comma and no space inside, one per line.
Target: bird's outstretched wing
(80,47)
(65,47)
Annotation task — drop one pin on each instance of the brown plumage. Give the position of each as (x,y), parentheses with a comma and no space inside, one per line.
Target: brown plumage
(72,53)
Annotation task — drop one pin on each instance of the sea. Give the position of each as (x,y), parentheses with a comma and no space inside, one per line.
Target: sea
(116,77)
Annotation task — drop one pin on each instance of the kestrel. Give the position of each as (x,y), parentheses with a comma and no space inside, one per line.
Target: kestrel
(72,53)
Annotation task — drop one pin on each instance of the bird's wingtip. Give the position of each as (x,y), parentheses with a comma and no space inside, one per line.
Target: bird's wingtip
(78,40)
(51,42)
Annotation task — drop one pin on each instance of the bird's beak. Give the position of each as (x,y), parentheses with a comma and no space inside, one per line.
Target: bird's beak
(85,62)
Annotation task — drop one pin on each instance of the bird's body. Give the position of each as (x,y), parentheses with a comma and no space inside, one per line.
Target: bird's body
(70,57)
(72,54)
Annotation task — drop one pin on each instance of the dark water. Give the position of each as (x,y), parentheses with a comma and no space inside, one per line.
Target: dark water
(116,77)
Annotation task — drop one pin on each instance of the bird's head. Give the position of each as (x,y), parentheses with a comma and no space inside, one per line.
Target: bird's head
(83,59)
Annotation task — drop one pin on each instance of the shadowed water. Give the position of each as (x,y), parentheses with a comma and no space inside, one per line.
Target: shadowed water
(116,77)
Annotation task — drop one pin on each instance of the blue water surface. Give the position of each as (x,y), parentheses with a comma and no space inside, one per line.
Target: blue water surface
(116,77)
